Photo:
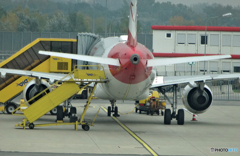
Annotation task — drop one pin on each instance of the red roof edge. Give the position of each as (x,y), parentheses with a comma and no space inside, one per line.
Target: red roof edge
(188,55)
(194,28)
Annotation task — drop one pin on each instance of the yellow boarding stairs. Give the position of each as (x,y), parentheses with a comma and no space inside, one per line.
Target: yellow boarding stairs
(60,94)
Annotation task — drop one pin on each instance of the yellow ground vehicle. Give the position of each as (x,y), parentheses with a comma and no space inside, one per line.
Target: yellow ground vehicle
(52,99)
(151,105)
(29,59)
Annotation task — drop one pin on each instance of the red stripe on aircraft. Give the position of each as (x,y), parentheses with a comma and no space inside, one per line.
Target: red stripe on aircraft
(127,72)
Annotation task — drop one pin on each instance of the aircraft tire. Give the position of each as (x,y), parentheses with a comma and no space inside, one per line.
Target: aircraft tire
(109,111)
(10,107)
(180,117)
(116,111)
(167,117)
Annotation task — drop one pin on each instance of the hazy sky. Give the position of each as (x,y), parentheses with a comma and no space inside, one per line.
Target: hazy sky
(190,2)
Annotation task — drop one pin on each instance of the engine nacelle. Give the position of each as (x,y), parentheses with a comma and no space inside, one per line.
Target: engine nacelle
(194,101)
(32,89)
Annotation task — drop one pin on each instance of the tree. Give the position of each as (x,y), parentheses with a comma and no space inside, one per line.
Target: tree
(179,20)
(27,23)
(58,23)
(79,22)
(9,22)
(2,12)
(100,25)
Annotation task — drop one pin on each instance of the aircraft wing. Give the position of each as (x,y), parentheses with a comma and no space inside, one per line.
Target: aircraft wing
(50,76)
(171,80)
(169,61)
(102,60)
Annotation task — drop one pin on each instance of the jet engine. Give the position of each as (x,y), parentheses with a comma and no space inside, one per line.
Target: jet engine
(197,100)
(33,88)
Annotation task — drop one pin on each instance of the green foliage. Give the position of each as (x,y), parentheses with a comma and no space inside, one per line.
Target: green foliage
(73,16)
(2,12)
(179,20)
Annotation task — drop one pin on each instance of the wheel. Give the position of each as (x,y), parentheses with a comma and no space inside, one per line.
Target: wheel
(152,113)
(109,111)
(85,127)
(167,117)
(147,112)
(10,107)
(180,117)
(157,112)
(84,94)
(140,111)
(31,126)
(59,113)
(162,113)
(53,111)
(116,111)
(136,110)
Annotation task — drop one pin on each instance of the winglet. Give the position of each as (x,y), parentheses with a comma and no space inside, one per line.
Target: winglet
(132,30)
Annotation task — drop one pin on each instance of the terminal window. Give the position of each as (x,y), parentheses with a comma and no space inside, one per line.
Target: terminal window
(168,35)
(181,38)
(191,38)
(214,40)
(204,39)
(236,69)
(236,40)
(226,40)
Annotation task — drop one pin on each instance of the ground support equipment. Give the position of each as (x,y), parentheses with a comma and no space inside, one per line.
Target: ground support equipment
(28,58)
(155,105)
(62,93)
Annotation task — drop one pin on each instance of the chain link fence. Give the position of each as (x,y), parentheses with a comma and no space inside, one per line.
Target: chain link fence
(11,42)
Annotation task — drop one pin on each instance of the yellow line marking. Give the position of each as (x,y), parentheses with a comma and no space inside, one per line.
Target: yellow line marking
(133,135)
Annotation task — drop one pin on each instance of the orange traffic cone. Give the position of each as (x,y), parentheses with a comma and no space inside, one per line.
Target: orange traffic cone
(194,118)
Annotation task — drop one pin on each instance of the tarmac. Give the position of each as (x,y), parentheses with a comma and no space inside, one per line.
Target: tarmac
(131,134)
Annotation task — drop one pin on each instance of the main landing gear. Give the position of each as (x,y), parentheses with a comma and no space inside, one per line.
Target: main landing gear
(113,109)
(168,116)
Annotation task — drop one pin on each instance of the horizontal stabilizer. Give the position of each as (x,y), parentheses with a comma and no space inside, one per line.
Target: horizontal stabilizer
(94,59)
(170,61)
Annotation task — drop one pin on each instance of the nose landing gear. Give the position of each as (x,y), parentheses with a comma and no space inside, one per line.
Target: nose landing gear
(113,109)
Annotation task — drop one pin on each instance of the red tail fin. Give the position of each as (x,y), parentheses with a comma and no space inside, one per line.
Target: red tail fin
(132,30)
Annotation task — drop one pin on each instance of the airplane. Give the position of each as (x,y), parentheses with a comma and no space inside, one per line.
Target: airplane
(129,67)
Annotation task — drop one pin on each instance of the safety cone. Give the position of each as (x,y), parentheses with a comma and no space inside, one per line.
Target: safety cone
(194,118)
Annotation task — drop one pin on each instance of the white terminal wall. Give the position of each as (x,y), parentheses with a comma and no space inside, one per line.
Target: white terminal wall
(219,42)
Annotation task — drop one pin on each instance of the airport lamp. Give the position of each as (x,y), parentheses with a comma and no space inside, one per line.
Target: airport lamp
(205,44)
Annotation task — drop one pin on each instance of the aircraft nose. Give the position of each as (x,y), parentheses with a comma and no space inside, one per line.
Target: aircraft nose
(135,59)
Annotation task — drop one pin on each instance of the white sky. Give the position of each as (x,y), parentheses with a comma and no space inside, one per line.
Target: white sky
(190,2)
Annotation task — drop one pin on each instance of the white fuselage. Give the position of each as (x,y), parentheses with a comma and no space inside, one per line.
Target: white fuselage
(115,89)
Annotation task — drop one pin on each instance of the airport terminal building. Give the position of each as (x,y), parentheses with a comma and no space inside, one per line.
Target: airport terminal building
(181,41)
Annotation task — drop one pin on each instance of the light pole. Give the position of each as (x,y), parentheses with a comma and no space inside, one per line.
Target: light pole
(205,42)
